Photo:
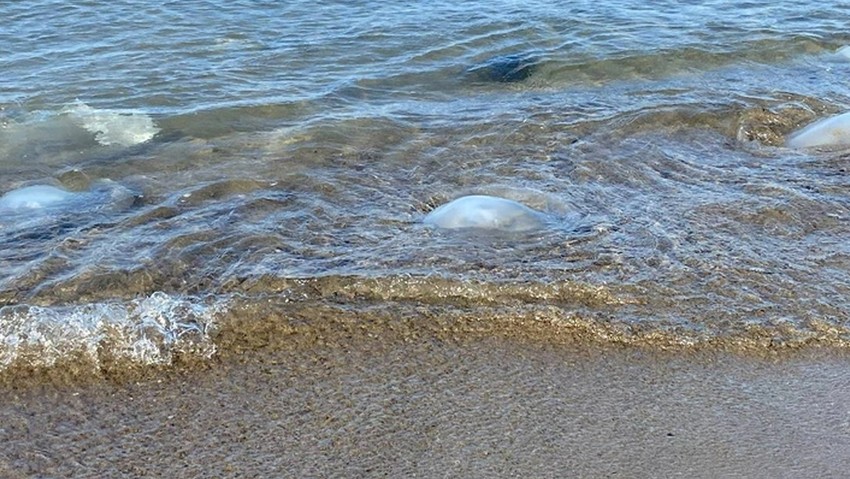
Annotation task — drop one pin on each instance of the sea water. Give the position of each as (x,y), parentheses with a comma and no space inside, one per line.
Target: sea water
(277,159)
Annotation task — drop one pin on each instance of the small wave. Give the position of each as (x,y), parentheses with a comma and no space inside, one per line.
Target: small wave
(111,127)
(116,339)
(150,331)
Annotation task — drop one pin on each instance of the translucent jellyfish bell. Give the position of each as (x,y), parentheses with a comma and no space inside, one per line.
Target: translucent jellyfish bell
(832,131)
(34,197)
(485,212)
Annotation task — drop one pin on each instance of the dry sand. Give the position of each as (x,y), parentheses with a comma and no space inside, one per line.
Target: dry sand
(477,407)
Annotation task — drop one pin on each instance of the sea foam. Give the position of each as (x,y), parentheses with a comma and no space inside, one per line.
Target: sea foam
(112,127)
(144,331)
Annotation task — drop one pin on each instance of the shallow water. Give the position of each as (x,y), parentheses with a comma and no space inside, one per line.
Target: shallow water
(275,163)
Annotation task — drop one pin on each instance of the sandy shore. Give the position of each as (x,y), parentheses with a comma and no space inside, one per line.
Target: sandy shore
(485,407)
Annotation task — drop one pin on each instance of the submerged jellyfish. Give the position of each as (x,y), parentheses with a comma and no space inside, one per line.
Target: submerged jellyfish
(506,69)
(43,212)
(843,53)
(46,200)
(34,197)
(485,212)
(827,132)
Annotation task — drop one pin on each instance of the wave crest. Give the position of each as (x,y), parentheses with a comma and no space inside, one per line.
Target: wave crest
(150,331)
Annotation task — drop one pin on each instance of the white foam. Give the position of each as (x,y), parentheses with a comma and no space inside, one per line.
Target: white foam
(146,331)
(112,127)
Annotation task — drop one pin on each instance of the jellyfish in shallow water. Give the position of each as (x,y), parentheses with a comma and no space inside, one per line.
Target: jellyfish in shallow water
(43,212)
(34,197)
(843,53)
(46,200)
(485,212)
(506,69)
(832,131)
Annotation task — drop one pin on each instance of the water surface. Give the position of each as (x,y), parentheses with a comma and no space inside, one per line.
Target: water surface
(272,163)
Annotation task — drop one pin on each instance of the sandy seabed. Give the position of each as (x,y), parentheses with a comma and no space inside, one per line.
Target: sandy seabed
(431,407)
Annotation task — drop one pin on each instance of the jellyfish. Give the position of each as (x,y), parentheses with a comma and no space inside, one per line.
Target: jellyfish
(506,69)
(832,131)
(34,198)
(485,212)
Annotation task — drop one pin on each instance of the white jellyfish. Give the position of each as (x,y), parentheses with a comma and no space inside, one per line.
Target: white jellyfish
(34,197)
(832,131)
(485,212)
(843,53)
(39,201)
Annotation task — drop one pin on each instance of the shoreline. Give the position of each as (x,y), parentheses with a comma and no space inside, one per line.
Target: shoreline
(365,406)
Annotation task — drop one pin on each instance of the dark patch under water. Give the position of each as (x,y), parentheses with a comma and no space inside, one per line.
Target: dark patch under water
(505,69)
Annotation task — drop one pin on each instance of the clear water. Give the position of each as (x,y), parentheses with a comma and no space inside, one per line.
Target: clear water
(271,162)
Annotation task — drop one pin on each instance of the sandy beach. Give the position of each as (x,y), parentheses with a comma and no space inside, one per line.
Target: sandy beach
(360,406)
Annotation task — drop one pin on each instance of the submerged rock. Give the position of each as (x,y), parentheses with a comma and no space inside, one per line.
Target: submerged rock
(832,131)
(770,126)
(34,197)
(485,212)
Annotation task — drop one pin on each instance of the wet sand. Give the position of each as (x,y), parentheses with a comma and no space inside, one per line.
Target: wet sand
(365,406)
